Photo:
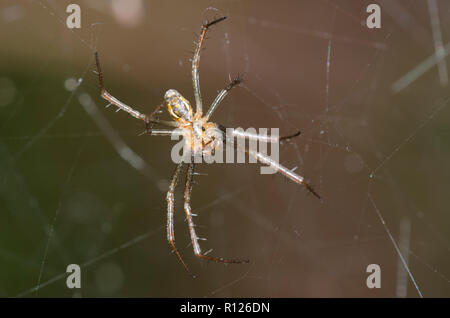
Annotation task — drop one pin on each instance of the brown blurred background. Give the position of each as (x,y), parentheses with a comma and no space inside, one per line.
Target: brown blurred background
(78,185)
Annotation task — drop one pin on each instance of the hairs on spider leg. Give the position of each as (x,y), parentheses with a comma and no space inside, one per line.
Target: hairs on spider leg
(307,185)
(208,251)
(240,77)
(235,82)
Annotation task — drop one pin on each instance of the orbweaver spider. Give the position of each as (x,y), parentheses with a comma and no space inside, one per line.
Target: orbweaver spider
(194,125)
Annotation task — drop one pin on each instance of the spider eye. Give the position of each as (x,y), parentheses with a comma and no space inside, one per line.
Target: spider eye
(177,105)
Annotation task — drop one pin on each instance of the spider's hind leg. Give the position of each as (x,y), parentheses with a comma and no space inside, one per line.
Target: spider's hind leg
(170,211)
(194,237)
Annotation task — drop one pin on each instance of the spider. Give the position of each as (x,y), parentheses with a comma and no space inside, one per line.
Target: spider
(194,125)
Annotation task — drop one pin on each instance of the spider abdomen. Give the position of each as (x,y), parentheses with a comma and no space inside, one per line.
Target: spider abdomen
(178,106)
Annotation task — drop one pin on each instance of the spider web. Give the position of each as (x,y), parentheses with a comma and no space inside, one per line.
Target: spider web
(80,186)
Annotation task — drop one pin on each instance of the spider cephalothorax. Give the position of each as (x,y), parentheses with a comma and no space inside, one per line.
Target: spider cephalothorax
(201,136)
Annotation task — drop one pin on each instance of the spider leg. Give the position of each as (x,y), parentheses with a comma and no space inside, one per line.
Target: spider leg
(288,137)
(170,209)
(194,238)
(148,119)
(162,132)
(284,171)
(264,159)
(239,133)
(259,137)
(196,62)
(222,95)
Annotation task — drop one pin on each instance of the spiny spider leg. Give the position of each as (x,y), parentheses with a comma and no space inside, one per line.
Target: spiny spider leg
(188,212)
(148,119)
(264,159)
(170,210)
(196,62)
(284,171)
(222,95)
(259,137)
(251,136)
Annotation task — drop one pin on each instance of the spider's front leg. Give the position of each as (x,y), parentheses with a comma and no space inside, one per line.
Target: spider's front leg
(188,212)
(148,119)
(196,62)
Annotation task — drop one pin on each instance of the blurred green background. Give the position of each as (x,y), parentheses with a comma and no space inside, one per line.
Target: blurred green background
(78,185)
